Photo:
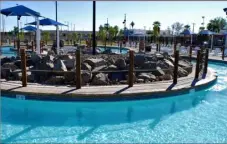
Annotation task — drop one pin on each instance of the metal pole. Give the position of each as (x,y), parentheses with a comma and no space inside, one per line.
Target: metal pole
(56,14)
(94,34)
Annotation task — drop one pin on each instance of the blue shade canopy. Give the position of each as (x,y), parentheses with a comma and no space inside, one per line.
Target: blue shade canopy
(19,10)
(47,22)
(29,28)
(186,32)
(206,32)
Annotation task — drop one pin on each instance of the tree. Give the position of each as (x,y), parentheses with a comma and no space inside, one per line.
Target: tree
(177,27)
(21,36)
(69,37)
(168,30)
(156,31)
(201,28)
(111,34)
(75,37)
(157,23)
(46,36)
(102,35)
(132,24)
(116,30)
(216,24)
(149,32)
(187,27)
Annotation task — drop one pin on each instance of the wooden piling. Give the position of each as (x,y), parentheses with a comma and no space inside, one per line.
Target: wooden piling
(175,73)
(206,61)
(23,67)
(18,46)
(157,47)
(197,65)
(32,46)
(131,69)
(78,70)
(223,53)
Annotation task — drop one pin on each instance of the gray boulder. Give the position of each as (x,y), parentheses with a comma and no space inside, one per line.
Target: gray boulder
(139,60)
(120,63)
(146,76)
(69,63)
(59,65)
(149,65)
(95,62)
(85,66)
(86,77)
(100,79)
(158,72)
(182,72)
(36,58)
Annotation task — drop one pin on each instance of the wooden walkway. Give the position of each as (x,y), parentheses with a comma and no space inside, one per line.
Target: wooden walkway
(93,92)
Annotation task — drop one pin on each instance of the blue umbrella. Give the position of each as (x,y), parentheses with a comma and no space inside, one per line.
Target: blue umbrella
(49,22)
(186,32)
(46,22)
(29,28)
(206,32)
(19,10)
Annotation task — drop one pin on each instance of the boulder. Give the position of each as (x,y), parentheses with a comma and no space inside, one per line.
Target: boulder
(146,76)
(159,56)
(149,65)
(158,72)
(49,58)
(59,65)
(85,66)
(182,72)
(10,66)
(120,63)
(100,79)
(140,80)
(110,61)
(70,77)
(5,60)
(86,77)
(36,58)
(95,62)
(111,67)
(186,65)
(69,63)
(17,74)
(139,60)
(167,77)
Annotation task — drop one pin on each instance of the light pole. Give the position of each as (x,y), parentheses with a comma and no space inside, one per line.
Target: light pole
(203,23)
(193,24)
(124,22)
(56,14)
(94,34)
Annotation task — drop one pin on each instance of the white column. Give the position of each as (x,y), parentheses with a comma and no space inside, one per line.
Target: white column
(37,36)
(58,46)
(212,40)
(225,41)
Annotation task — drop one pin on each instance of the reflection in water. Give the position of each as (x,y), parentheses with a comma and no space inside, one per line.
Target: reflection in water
(129,114)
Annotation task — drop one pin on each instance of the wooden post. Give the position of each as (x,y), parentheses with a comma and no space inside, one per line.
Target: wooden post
(14,43)
(223,53)
(131,69)
(78,70)
(18,46)
(156,47)
(174,47)
(206,62)
(32,46)
(175,73)
(23,67)
(197,65)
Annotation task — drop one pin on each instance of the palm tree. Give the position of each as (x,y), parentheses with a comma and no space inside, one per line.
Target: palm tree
(187,27)
(132,24)
(69,37)
(157,23)
(102,35)
(216,24)
(201,28)
(116,30)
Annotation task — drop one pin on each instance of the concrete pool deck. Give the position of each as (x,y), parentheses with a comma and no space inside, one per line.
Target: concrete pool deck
(107,93)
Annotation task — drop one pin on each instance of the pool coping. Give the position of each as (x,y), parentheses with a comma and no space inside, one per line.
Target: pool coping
(161,89)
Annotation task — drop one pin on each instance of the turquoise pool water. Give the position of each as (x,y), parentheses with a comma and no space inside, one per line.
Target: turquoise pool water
(114,49)
(198,117)
(5,51)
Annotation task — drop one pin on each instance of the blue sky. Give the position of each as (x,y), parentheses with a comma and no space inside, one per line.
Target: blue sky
(144,13)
